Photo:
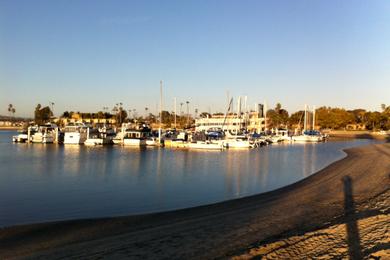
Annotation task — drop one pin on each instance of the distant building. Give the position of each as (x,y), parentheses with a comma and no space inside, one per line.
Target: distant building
(355,127)
(76,117)
(5,123)
(252,121)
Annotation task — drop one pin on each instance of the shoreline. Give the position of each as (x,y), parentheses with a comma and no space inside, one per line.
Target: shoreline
(356,134)
(218,230)
(10,128)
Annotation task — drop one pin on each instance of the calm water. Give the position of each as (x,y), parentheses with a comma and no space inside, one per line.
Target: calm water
(55,182)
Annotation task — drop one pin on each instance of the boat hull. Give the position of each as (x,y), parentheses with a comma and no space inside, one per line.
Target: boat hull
(205,146)
(238,144)
(134,142)
(42,138)
(307,139)
(75,138)
(97,141)
(20,138)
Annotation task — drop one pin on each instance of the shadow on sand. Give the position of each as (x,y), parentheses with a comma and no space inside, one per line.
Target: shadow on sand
(353,237)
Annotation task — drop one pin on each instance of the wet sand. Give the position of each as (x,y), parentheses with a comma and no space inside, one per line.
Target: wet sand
(347,204)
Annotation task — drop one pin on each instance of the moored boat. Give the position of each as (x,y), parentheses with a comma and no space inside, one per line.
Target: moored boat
(75,133)
(136,137)
(207,145)
(239,144)
(22,136)
(308,136)
(45,134)
(101,136)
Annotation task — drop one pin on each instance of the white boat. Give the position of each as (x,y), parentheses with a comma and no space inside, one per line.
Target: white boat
(98,141)
(75,134)
(134,142)
(152,141)
(94,141)
(239,144)
(207,145)
(118,138)
(45,134)
(273,139)
(176,143)
(308,136)
(101,136)
(135,137)
(21,137)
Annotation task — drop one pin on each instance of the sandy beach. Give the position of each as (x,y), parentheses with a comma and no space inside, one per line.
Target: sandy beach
(340,212)
(343,134)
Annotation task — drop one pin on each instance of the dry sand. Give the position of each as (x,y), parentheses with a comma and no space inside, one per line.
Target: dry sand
(340,212)
(358,134)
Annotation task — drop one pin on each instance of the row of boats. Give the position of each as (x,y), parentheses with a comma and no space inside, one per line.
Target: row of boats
(142,135)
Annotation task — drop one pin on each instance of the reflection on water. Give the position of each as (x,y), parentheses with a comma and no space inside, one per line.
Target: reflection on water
(52,182)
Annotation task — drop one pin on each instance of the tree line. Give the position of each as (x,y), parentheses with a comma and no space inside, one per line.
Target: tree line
(278,117)
(332,118)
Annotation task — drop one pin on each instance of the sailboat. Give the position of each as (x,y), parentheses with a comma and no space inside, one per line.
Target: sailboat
(207,145)
(307,134)
(237,141)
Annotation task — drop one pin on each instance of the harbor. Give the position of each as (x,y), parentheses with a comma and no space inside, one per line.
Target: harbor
(194,130)
(239,129)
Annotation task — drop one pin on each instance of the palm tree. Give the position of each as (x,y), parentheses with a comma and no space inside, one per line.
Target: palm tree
(10,107)
(181,111)
(146,112)
(52,107)
(115,110)
(11,110)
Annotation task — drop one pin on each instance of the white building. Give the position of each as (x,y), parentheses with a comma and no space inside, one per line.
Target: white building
(251,121)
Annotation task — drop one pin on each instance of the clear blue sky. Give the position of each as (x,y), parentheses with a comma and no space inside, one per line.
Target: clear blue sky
(84,55)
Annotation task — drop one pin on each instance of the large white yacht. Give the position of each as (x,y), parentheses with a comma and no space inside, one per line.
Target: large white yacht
(75,133)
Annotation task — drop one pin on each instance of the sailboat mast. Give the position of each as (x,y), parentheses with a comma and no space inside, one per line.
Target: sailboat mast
(305,119)
(265,116)
(314,117)
(159,130)
(174,101)
(238,124)
(245,112)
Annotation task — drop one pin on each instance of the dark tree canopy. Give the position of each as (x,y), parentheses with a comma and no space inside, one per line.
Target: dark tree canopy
(277,117)
(42,114)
